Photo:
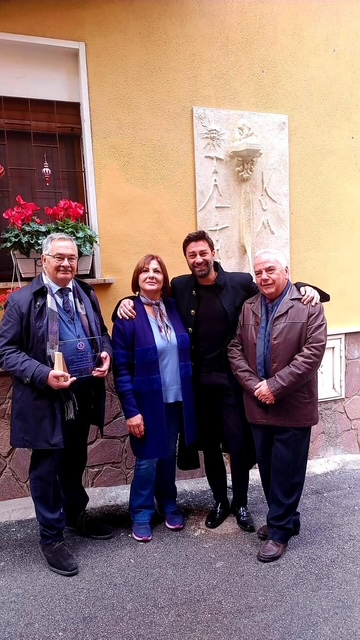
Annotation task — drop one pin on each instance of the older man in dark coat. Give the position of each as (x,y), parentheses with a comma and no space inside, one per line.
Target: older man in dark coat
(52,408)
(275,355)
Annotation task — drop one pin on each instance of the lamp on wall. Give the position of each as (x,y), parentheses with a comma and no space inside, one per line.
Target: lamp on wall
(2,171)
(46,171)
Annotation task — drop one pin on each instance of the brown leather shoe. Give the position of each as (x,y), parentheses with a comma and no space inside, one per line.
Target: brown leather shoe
(271,550)
(263,532)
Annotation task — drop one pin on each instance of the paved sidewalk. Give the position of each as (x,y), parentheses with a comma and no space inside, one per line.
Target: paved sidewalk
(195,584)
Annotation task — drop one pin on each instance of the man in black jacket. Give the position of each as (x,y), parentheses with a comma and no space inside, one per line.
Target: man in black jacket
(209,301)
(52,409)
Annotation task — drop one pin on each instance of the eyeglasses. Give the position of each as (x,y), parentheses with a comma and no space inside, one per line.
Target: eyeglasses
(59,258)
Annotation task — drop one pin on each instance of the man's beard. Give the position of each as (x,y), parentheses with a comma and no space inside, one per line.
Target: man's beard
(203,272)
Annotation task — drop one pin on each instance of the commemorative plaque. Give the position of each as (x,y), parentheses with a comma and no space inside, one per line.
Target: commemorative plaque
(80,356)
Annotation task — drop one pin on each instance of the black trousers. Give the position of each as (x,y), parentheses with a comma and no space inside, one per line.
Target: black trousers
(282,454)
(222,427)
(56,477)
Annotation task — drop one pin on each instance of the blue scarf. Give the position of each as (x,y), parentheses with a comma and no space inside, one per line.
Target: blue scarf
(263,347)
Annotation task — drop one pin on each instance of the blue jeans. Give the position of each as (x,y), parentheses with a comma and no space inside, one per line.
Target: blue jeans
(155,478)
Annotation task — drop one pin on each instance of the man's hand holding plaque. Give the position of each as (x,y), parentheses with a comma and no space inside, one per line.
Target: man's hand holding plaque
(81,356)
(59,377)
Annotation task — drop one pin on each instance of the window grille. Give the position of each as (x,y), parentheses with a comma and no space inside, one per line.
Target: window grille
(31,130)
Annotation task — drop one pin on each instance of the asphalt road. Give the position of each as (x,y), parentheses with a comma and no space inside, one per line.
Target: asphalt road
(195,584)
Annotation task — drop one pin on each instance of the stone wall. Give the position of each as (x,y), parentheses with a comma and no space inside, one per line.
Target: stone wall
(338,429)
(110,459)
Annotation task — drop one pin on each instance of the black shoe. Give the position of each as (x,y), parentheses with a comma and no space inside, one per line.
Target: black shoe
(244,519)
(217,515)
(88,527)
(59,558)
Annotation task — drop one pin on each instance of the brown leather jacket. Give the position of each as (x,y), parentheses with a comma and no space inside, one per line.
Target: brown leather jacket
(297,346)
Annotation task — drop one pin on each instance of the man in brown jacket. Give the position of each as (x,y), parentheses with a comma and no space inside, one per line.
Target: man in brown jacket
(275,355)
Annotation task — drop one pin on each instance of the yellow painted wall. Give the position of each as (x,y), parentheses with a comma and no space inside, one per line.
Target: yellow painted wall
(150,61)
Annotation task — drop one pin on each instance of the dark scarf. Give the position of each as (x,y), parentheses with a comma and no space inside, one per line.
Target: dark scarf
(263,347)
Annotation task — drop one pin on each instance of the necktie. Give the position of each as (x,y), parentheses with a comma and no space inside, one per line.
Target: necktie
(67,306)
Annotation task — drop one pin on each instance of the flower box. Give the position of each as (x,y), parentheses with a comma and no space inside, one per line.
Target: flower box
(25,234)
(28,267)
(84,265)
(31,267)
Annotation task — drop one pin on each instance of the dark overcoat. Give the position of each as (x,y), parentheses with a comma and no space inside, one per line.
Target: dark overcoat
(138,381)
(37,409)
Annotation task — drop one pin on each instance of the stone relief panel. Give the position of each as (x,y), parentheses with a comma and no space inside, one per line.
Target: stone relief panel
(242,183)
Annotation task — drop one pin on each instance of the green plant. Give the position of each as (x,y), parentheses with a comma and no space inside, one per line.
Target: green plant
(24,239)
(26,232)
(84,237)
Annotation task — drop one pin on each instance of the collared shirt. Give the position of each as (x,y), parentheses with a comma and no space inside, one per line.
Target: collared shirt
(55,290)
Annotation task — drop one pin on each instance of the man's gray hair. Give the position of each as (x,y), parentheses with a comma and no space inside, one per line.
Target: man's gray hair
(274,253)
(56,236)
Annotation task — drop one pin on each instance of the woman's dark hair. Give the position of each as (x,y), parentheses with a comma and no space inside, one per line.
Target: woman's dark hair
(144,262)
(197,236)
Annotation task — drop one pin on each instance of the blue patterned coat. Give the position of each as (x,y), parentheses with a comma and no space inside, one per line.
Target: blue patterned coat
(138,381)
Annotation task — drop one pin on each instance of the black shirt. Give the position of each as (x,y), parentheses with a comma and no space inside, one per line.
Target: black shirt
(211,330)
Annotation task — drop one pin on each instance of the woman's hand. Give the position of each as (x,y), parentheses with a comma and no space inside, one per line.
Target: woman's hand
(136,426)
(126,309)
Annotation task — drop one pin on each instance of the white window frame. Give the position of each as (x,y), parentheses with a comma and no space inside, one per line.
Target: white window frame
(79,88)
(331,378)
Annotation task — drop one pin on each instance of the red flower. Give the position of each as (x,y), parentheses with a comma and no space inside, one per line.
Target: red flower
(22,213)
(66,209)
(5,296)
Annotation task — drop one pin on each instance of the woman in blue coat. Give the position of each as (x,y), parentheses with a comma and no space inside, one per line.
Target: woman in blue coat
(152,374)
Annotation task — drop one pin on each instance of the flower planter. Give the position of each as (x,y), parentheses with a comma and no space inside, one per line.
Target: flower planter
(28,267)
(84,265)
(31,267)
(25,231)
